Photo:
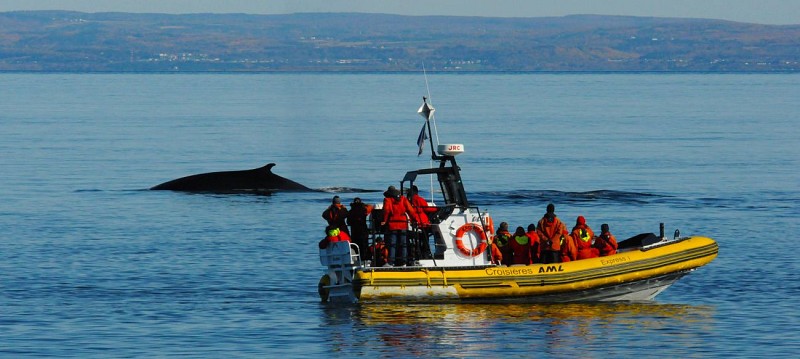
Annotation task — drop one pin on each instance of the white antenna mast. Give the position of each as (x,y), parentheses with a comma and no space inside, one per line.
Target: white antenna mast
(435,129)
(433,117)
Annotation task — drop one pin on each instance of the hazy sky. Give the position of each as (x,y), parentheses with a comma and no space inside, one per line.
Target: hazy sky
(755,11)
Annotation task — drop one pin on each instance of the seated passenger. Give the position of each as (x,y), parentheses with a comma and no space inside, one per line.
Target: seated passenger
(334,234)
(582,236)
(606,243)
(378,253)
(520,245)
(502,246)
(534,243)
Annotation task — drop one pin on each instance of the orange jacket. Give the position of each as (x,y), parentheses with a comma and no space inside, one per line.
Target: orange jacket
(497,255)
(606,244)
(336,215)
(380,253)
(550,234)
(582,236)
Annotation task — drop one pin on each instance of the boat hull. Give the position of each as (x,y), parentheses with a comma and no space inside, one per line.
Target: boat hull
(631,275)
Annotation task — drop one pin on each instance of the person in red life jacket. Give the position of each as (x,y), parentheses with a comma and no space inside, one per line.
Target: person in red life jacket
(520,245)
(552,235)
(531,233)
(501,245)
(582,237)
(333,234)
(378,253)
(336,215)
(606,244)
(396,213)
(423,211)
(357,220)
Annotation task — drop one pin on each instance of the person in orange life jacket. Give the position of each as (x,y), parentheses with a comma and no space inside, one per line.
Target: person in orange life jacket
(582,237)
(423,210)
(357,220)
(552,234)
(531,233)
(606,243)
(333,234)
(336,215)
(378,253)
(395,209)
(501,248)
(520,245)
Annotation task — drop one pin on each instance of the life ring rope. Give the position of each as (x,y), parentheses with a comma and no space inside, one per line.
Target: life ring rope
(481,234)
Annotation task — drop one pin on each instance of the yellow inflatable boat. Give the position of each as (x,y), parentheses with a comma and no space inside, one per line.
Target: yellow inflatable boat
(462,269)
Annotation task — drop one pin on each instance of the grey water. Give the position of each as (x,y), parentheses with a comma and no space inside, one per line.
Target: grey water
(94,265)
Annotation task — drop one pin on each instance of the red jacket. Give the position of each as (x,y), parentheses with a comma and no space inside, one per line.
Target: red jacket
(422,209)
(534,245)
(521,249)
(342,237)
(394,213)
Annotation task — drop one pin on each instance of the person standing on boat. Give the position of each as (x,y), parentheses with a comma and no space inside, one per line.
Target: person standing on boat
(552,234)
(535,243)
(606,244)
(501,248)
(396,213)
(424,223)
(582,236)
(336,215)
(520,245)
(357,220)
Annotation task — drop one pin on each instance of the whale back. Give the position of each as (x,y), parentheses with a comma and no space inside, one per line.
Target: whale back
(260,180)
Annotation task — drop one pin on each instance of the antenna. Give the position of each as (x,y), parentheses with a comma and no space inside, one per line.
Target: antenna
(433,117)
(430,161)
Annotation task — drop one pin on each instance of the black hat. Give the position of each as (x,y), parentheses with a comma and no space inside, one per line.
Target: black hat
(519,232)
(604,228)
(531,227)
(551,208)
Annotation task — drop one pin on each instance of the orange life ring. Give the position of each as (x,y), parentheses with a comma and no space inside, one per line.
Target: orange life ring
(481,234)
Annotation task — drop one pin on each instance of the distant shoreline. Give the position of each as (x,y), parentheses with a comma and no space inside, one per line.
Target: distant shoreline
(73,42)
(455,73)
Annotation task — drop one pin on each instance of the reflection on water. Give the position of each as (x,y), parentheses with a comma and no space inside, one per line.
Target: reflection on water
(469,329)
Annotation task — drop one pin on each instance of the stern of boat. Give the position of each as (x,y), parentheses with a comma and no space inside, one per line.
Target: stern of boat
(341,260)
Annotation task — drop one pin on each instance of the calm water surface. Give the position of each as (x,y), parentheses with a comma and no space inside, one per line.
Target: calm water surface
(92,264)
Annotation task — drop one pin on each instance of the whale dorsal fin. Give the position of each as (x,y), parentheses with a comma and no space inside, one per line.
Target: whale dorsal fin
(268,167)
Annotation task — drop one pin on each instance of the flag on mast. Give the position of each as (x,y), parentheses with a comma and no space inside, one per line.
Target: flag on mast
(421,139)
(426,110)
